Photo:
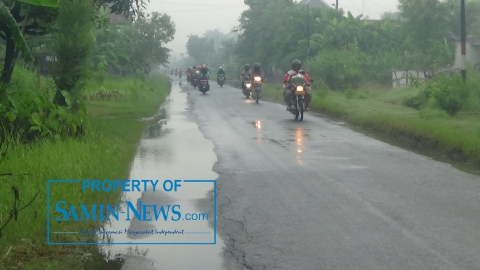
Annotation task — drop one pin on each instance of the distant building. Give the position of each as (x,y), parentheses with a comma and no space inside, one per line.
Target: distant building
(116,18)
(369,21)
(472,45)
(315,3)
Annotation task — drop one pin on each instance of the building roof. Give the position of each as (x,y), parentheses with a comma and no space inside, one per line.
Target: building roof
(369,21)
(315,3)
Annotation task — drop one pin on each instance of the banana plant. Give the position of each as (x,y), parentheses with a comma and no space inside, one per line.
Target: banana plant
(7,18)
(42,3)
(17,39)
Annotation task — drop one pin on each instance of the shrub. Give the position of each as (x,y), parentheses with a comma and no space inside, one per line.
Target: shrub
(339,68)
(447,93)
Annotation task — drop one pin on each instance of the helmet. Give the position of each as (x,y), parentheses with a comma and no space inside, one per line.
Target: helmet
(246,67)
(296,65)
(204,66)
(256,67)
(194,67)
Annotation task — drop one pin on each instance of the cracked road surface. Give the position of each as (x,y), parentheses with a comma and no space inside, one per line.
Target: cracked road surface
(316,195)
(295,195)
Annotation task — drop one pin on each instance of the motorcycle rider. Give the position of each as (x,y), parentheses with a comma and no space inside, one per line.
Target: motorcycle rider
(257,71)
(189,73)
(287,93)
(245,75)
(205,71)
(194,75)
(220,71)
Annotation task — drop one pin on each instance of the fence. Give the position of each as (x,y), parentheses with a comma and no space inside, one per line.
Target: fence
(403,78)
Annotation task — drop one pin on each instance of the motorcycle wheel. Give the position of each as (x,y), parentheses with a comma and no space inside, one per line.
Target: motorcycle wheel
(302,105)
(295,111)
(257,96)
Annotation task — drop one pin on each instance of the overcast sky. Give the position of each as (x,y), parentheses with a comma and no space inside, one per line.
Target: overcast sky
(197,16)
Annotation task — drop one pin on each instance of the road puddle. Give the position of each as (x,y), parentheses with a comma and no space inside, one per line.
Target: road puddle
(173,148)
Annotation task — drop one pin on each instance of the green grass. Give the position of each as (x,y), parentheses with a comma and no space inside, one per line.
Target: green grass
(428,131)
(104,153)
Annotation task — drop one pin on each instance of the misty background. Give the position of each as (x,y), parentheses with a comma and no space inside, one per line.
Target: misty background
(193,18)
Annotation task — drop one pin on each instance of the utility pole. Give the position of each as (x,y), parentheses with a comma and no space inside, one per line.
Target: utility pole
(463,40)
(308,32)
(336,5)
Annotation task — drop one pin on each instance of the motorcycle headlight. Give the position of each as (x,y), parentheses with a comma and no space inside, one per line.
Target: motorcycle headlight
(248,85)
(257,79)
(300,88)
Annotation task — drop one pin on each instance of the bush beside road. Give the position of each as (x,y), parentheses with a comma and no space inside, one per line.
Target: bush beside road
(114,109)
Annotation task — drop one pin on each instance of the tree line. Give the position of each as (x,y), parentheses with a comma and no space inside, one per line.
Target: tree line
(87,46)
(345,51)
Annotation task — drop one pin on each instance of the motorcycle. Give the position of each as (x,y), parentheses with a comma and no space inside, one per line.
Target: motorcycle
(189,76)
(221,79)
(257,88)
(247,88)
(194,81)
(298,85)
(204,86)
(180,74)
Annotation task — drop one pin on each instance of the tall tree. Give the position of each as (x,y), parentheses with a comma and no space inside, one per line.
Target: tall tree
(73,44)
(151,33)
(129,47)
(34,18)
(199,48)
(427,30)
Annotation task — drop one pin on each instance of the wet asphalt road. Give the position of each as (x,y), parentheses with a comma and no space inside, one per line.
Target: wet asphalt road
(316,195)
(301,195)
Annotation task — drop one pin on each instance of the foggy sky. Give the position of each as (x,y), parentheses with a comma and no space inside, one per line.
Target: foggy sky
(197,16)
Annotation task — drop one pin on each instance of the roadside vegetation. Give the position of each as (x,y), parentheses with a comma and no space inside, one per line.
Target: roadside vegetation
(351,60)
(80,121)
(427,119)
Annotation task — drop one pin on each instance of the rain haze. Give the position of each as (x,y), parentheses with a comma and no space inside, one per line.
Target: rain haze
(194,17)
(317,134)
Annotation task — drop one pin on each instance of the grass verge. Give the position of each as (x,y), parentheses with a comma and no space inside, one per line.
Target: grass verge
(104,153)
(380,112)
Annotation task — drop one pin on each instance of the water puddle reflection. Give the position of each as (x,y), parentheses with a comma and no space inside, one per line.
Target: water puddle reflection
(172,148)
